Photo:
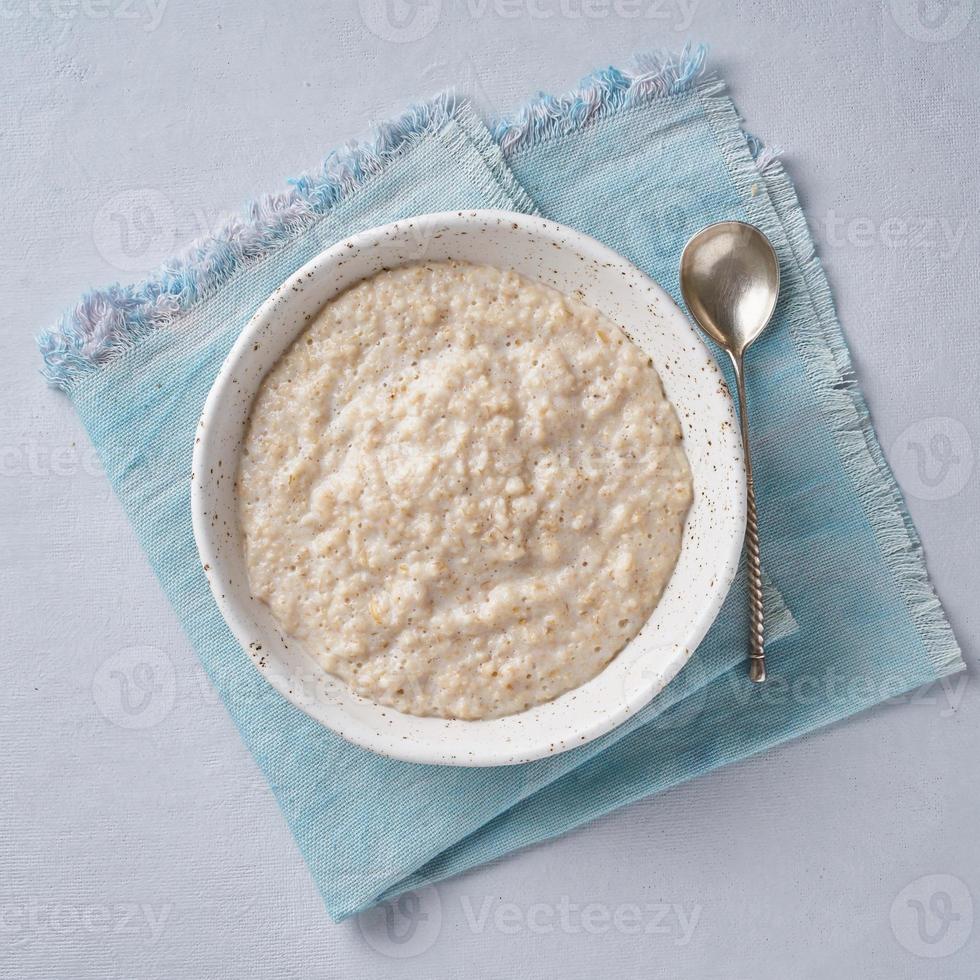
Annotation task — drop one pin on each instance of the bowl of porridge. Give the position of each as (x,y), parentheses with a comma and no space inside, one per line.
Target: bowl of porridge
(468,489)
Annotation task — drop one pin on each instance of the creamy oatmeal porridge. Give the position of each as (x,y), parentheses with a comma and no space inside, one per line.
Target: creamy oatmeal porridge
(462,491)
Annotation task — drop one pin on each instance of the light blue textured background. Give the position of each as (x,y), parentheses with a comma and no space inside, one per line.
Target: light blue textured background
(172,815)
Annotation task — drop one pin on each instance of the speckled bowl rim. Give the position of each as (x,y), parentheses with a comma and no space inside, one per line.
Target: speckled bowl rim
(518,738)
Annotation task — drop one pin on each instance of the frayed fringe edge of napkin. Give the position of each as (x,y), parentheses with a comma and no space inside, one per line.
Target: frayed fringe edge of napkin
(109,321)
(823,349)
(652,76)
(655,75)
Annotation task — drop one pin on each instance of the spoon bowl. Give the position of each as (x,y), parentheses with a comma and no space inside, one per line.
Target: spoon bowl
(730,282)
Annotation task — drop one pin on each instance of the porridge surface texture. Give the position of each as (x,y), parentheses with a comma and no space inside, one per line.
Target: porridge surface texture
(462,491)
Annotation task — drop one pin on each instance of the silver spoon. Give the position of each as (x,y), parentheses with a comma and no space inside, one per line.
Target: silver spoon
(730,282)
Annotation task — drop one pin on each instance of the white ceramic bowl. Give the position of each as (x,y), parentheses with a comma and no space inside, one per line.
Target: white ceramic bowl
(574,264)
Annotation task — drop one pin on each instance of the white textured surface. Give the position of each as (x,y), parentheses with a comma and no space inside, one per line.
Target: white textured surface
(158,850)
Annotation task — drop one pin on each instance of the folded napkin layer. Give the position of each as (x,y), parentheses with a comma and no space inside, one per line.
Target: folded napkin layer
(640,160)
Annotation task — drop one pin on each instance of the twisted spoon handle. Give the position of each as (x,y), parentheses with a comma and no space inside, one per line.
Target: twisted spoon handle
(757,644)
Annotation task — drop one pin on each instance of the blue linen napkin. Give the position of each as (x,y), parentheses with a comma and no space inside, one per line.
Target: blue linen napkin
(640,160)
